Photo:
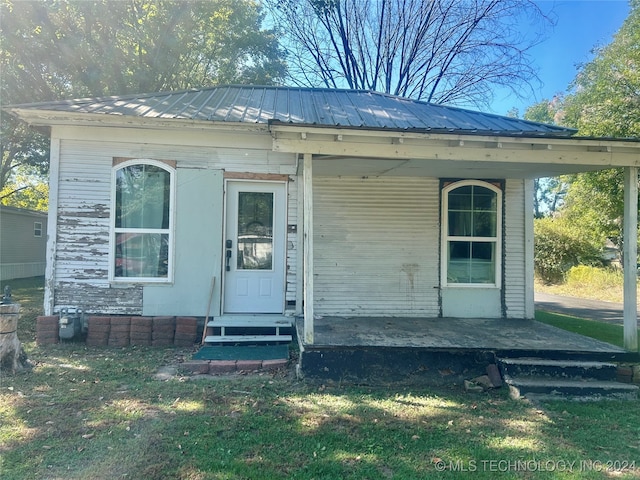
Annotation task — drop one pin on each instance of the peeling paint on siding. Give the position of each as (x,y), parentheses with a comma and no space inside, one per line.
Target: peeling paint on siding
(81,276)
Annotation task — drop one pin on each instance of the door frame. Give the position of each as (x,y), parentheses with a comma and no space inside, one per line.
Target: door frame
(284,220)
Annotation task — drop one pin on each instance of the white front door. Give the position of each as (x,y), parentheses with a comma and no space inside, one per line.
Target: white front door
(255,247)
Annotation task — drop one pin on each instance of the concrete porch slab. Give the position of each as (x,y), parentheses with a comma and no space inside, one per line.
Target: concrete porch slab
(450,333)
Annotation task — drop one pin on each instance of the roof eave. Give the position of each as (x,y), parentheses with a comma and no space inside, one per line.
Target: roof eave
(560,133)
(52,118)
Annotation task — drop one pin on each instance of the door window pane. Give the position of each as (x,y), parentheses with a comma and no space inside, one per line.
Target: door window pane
(255,231)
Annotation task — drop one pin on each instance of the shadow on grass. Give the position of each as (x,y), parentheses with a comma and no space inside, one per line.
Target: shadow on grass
(99,413)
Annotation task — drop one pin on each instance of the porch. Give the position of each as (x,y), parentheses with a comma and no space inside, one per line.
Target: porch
(378,350)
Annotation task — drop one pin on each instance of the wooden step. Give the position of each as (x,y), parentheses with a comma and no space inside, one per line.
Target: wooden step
(250,321)
(247,338)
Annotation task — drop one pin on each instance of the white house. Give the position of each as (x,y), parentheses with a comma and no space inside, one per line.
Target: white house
(246,200)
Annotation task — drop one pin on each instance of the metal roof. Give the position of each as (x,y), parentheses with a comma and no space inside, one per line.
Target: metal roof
(304,106)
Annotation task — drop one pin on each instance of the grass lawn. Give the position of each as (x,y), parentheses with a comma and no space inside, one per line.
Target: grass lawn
(606,332)
(99,413)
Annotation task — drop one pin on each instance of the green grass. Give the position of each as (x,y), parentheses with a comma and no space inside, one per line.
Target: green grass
(605,332)
(99,413)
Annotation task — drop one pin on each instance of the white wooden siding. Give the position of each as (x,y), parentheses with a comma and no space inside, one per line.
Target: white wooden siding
(376,246)
(514,250)
(86,159)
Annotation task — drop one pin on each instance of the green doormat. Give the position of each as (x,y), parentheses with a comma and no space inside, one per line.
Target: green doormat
(243,352)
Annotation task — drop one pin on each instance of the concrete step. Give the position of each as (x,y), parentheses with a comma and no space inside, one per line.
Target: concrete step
(545,388)
(549,379)
(560,369)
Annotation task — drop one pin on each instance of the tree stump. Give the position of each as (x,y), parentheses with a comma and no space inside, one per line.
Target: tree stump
(12,356)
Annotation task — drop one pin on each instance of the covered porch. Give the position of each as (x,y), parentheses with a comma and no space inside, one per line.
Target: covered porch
(339,153)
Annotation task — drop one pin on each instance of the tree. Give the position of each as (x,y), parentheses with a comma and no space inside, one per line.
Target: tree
(442,51)
(54,49)
(558,246)
(549,192)
(605,101)
(605,98)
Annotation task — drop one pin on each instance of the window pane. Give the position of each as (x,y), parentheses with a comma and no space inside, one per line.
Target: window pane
(460,198)
(459,262)
(255,231)
(471,262)
(484,224)
(142,197)
(142,255)
(484,199)
(482,262)
(460,224)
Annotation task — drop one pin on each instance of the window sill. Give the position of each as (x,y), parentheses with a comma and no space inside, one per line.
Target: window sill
(488,286)
(138,282)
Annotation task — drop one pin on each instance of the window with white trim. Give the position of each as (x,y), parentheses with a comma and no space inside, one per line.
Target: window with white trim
(471,228)
(37,229)
(142,222)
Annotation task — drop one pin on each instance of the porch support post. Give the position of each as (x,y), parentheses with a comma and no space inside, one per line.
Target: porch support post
(529,301)
(630,258)
(307,180)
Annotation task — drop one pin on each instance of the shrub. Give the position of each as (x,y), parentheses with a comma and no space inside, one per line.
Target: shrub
(598,278)
(558,246)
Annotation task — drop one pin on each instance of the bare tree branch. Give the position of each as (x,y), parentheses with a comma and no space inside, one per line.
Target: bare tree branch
(443,51)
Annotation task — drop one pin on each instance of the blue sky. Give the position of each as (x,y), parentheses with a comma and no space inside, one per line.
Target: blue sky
(581,25)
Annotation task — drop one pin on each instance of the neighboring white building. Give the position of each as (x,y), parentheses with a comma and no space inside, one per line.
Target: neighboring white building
(23,241)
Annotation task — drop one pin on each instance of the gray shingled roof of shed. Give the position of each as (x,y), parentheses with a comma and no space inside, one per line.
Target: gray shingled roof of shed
(305,106)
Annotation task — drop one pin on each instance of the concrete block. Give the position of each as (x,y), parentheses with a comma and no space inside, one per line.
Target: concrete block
(274,364)
(196,366)
(248,365)
(222,366)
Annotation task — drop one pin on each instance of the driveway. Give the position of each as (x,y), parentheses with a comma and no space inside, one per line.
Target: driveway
(609,312)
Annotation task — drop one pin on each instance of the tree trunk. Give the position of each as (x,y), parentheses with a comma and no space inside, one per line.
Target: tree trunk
(12,356)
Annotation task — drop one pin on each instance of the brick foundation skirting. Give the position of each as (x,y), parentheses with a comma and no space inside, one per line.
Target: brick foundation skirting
(121,331)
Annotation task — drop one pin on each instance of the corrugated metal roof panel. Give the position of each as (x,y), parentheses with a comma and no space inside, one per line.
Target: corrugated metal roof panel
(305,106)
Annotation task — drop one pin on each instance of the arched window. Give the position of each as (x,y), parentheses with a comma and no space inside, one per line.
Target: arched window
(142,221)
(472,223)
